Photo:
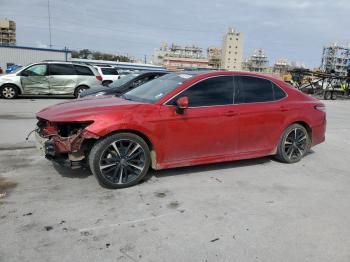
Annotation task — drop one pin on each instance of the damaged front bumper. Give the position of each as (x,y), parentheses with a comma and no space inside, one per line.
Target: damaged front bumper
(69,150)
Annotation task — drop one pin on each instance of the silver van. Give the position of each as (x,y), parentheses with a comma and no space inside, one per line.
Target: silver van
(49,78)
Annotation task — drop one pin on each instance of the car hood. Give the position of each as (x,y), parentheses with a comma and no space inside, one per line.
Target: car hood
(86,108)
(7,77)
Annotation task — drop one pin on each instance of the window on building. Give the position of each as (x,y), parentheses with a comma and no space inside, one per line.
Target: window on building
(61,69)
(229,52)
(229,46)
(209,92)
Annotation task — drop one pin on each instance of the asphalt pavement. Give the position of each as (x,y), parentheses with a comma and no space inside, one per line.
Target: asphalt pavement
(251,210)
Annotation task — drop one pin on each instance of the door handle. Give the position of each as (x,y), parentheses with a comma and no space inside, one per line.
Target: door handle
(231,113)
(284,108)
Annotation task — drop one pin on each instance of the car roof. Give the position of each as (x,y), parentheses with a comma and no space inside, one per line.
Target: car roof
(240,73)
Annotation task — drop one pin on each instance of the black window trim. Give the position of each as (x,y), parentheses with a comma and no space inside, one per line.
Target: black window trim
(234,92)
(237,84)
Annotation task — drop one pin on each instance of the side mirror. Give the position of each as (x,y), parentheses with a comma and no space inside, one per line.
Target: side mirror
(24,73)
(182,104)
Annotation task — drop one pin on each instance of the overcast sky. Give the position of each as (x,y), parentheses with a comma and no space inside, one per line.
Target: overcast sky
(292,29)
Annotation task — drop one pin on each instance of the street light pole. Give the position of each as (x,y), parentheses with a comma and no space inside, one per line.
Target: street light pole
(49,13)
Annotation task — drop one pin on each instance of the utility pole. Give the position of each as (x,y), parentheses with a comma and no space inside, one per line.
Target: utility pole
(145,59)
(49,13)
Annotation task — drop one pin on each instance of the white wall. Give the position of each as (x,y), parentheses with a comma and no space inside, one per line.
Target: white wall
(24,56)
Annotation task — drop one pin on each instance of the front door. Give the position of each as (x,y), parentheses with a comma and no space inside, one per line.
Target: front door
(208,128)
(62,79)
(34,80)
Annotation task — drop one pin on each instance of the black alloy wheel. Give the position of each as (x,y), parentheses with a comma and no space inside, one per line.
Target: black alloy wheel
(120,160)
(294,144)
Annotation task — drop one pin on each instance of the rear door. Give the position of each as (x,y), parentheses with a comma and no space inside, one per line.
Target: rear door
(62,78)
(87,76)
(34,80)
(261,113)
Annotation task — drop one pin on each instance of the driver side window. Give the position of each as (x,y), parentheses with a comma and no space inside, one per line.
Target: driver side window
(36,70)
(213,91)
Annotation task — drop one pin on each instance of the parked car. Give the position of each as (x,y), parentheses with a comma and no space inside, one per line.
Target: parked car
(49,78)
(13,68)
(124,84)
(182,119)
(109,74)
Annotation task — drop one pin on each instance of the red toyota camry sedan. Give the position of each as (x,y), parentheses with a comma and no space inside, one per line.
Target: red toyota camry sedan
(182,119)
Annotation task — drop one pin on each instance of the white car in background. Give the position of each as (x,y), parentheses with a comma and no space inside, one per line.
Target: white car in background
(109,74)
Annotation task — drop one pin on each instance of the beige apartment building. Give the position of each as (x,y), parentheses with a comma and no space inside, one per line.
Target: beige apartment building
(7,32)
(232,50)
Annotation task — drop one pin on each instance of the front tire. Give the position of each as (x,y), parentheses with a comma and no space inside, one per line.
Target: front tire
(294,144)
(120,160)
(9,91)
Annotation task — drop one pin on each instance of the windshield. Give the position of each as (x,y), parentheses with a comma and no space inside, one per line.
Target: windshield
(153,91)
(123,80)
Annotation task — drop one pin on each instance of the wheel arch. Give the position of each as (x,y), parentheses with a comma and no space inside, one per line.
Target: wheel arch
(306,126)
(146,138)
(300,122)
(14,85)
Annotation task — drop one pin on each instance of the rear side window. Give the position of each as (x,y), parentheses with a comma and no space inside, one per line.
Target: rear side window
(109,71)
(253,90)
(61,69)
(209,92)
(278,92)
(83,70)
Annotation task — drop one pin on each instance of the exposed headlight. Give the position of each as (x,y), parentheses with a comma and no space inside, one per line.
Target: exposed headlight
(100,94)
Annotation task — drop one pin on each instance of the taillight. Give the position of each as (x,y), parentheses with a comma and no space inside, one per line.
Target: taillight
(321,108)
(99,78)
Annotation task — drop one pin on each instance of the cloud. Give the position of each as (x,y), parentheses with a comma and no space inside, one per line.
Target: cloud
(296,29)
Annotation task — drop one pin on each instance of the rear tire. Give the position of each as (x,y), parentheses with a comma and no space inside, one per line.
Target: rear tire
(79,89)
(9,91)
(334,96)
(120,160)
(327,95)
(294,144)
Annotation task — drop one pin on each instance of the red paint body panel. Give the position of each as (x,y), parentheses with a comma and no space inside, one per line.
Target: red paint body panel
(200,135)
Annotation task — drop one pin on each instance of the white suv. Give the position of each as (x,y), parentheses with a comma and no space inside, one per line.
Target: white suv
(109,74)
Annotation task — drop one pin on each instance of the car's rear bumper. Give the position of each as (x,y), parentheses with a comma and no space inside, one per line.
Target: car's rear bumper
(319,134)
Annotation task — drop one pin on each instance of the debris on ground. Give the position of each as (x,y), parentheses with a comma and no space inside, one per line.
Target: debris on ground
(215,239)
(2,195)
(48,228)
(28,214)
